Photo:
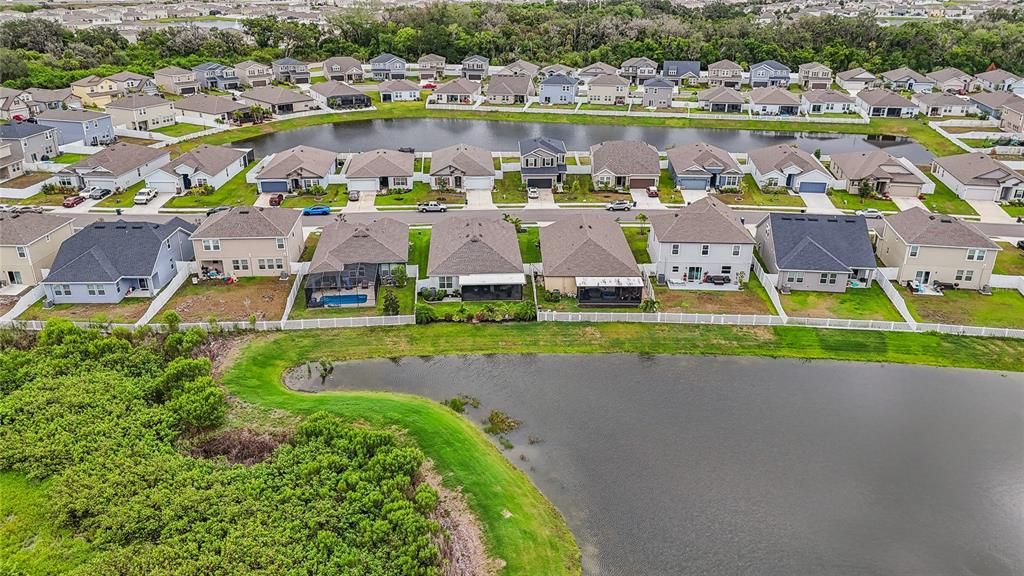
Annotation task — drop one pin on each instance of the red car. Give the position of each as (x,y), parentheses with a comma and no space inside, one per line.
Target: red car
(652,191)
(430,86)
(72,201)
(276,199)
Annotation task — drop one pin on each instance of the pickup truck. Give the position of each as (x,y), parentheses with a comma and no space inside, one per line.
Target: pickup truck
(432,206)
(144,195)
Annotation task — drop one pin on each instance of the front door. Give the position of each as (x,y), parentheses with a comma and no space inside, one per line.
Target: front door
(922,277)
(143,284)
(458,182)
(14,277)
(693,274)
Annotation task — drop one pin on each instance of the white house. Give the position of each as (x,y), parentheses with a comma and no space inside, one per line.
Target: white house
(977,176)
(703,239)
(116,167)
(398,91)
(380,170)
(212,165)
(788,167)
(462,167)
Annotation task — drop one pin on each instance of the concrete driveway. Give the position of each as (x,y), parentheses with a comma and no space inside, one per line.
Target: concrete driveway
(364,204)
(546,200)
(991,212)
(819,204)
(908,203)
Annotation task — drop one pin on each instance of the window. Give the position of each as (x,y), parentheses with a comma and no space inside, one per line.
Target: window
(22,252)
(400,181)
(270,263)
(445,282)
(95,289)
(200,181)
(280,243)
(914,250)
(675,268)
(771,182)
(795,277)
(675,249)
(705,249)
(726,269)
(964,275)
(735,249)
(829,278)
(62,290)
(65,181)
(975,255)
(211,245)
(239,265)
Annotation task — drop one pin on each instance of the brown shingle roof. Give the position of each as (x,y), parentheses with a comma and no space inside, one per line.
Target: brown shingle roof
(381,241)
(918,226)
(249,222)
(773,96)
(586,245)
(721,94)
(207,104)
(136,101)
(780,156)
(473,245)
(472,160)
(877,164)
(274,95)
(118,158)
(976,168)
(686,156)
(24,229)
(207,159)
(458,86)
(302,160)
(882,97)
(379,163)
(333,88)
(706,221)
(625,157)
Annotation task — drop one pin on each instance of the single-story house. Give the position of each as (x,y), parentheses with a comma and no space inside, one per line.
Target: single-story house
(657,93)
(36,141)
(769,73)
(177,80)
(941,104)
(725,73)
(462,167)
(431,67)
(542,162)
(254,74)
(339,95)
(141,112)
(478,257)
(886,174)
(343,69)
(703,239)
(826,102)
(953,80)
(509,89)
(278,100)
(351,262)
(519,68)
(591,71)
(559,89)
(587,257)
(398,90)
(387,67)
(1012,117)
(783,166)
(116,167)
(637,70)
(999,80)
(85,126)
(28,245)
(815,76)
(702,166)
(475,67)
(774,102)
(681,72)
(248,241)
(721,99)
(290,70)
(203,165)
(216,108)
(106,262)
(906,79)
(931,248)
(991,103)
(297,168)
(380,170)
(458,91)
(885,103)
(856,79)
(608,89)
(816,252)
(624,165)
(978,176)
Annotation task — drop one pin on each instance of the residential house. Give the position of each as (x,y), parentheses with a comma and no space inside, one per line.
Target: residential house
(883,172)
(387,67)
(990,104)
(36,142)
(116,167)
(398,91)
(248,241)
(478,257)
(542,162)
(999,80)
(95,91)
(815,76)
(457,91)
(338,95)
(556,69)
(681,72)
(290,70)
(774,101)
(906,79)
(608,89)
(816,252)
(343,69)
(28,245)
(15,104)
(929,248)
(130,82)
(559,89)
(703,239)
(1012,117)
(351,262)
(12,163)
(462,167)
(978,176)
(657,93)
(278,100)
(85,126)
(59,99)
(769,73)
(721,99)
(941,104)
(212,75)
(297,168)
(519,68)
(856,79)
(725,73)
(588,258)
(827,102)
(380,170)
(475,67)
(431,67)
(886,104)
(141,112)
(953,81)
(208,107)
(638,70)
(702,166)
(784,166)
(624,165)
(253,74)
(201,166)
(509,89)
(591,71)
(106,262)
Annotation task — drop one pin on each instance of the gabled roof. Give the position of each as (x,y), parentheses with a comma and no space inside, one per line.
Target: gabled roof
(658,82)
(103,252)
(333,88)
(250,64)
(475,58)
(559,80)
(172,71)
(558,69)
(274,95)
(470,160)
(940,99)
(1015,105)
(209,160)
(46,95)
(639,61)
(697,157)
(288,62)
(609,80)
(211,66)
(528,68)
(586,245)
(856,74)
(136,101)
(883,97)
(125,76)
(248,222)
(512,85)
(721,94)
(876,164)
(597,69)
(385,58)
(398,86)
(458,86)
(209,104)
(774,65)
(949,73)
(706,221)
(977,168)
(431,59)
(117,159)
(773,96)
(994,100)
(346,63)
(90,80)
(376,242)
(904,73)
(680,68)
(300,161)
(19,130)
(918,226)
(827,96)
(379,163)
(997,76)
(473,245)
(625,157)
(71,115)
(24,229)
(819,242)
(781,157)
(807,67)
(724,65)
(549,145)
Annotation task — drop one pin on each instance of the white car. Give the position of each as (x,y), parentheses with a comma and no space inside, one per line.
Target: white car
(532,192)
(5,207)
(144,195)
(869,213)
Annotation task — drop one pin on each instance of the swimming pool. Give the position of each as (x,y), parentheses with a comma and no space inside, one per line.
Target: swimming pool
(343,299)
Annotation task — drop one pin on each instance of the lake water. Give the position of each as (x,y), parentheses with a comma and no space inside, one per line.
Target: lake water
(733,466)
(428,134)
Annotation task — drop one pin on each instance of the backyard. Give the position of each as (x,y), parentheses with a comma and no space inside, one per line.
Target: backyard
(751,195)
(855,304)
(406,301)
(529,245)
(28,179)
(70,158)
(309,246)
(262,298)
(752,299)
(1003,309)
(180,129)
(126,311)
(636,236)
(510,189)
(420,192)
(234,192)
(419,249)
(1010,261)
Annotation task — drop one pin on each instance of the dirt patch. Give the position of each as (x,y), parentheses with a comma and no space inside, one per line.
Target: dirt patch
(6,303)
(264,298)
(126,311)
(240,446)
(461,540)
(711,302)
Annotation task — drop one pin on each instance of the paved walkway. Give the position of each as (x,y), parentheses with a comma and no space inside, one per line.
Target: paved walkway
(819,204)
(991,212)
(908,203)
(479,200)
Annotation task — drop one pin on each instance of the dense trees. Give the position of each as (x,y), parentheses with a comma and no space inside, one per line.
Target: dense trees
(103,417)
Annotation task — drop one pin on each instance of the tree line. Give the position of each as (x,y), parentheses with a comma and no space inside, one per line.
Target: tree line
(36,52)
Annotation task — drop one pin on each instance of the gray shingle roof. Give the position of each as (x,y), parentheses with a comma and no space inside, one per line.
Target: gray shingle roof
(299,161)
(918,226)
(118,158)
(819,242)
(207,104)
(385,58)
(586,245)
(473,245)
(949,73)
(609,80)
(781,156)
(510,85)
(724,65)
(877,164)
(344,63)
(883,97)
(209,160)
(657,82)
(379,163)
(550,145)
(701,156)
(71,115)
(275,95)
(773,96)
(378,242)
(774,65)
(680,68)
(471,160)
(559,80)
(625,157)
(706,221)
(976,168)
(996,76)
(827,96)
(23,229)
(904,73)
(398,86)
(249,222)
(136,101)
(19,130)
(855,73)
(458,86)
(940,99)
(721,95)
(333,88)
(520,66)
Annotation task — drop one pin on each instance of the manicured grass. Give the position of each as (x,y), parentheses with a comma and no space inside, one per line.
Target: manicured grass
(612,107)
(752,299)
(309,246)
(510,189)
(449,311)
(419,249)
(751,195)
(406,300)
(667,192)
(847,201)
(234,192)
(1003,309)
(855,303)
(421,165)
(336,197)
(579,189)
(637,238)
(126,311)
(1014,211)
(420,192)
(180,129)
(70,158)
(123,199)
(35,200)
(569,304)
(946,201)
(529,245)
(1010,261)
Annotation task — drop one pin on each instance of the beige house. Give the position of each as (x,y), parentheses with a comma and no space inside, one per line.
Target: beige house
(587,257)
(254,74)
(886,174)
(725,73)
(177,80)
(624,165)
(1012,118)
(608,89)
(28,245)
(96,91)
(141,112)
(931,248)
(815,76)
(249,241)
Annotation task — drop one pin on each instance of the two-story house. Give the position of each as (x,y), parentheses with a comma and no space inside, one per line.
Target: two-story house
(657,93)
(769,73)
(216,76)
(291,71)
(141,112)
(85,126)
(387,67)
(681,72)
(12,163)
(134,83)
(37,142)
(15,104)
(703,239)
(559,89)
(815,76)
(542,162)
(637,70)
(608,90)
(249,241)
(431,67)
(343,69)
(254,74)
(95,91)
(725,73)
(475,67)
(28,245)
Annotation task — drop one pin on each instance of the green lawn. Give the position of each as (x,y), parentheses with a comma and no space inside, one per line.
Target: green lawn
(752,299)
(569,304)
(946,201)
(1015,211)
(637,238)
(847,201)
(447,310)
(180,129)
(1010,261)
(40,199)
(406,299)
(529,245)
(751,195)
(667,191)
(420,192)
(309,246)
(855,304)
(510,189)
(579,189)
(421,165)
(70,158)
(234,192)
(336,197)
(1003,309)
(125,199)
(419,249)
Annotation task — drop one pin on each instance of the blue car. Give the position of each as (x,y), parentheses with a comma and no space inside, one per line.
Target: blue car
(317,210)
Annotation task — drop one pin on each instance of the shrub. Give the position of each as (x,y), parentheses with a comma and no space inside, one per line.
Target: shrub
(425,314)
(172,320)
(400,276)
(391,306)
(552,296)
(649,305)
(498,422)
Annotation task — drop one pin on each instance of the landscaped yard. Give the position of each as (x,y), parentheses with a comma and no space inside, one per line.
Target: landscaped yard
(234,192)
(752,299)
(751,195)
(1015,211)
(447,310)
(855,304)
(180,129)
(124,199)
(406,301)
(36,200)
(70,158)
(421,192)
(1010,261)
(336,197)
(569,304)
(1003,309)
(946,201)
(510,189)
(637,238)
(846,201)
(529,245)
(126,311)
(579,189)
(419,249)
(261,297)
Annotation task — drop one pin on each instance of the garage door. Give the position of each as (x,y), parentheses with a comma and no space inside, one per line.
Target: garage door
(904,190)
(693,183)
(364,184)
(641,183)
(274,186)
(479,183)
(818,187)
(539,182)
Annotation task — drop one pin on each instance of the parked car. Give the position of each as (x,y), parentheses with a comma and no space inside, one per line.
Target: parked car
(213,211)
(430,86)
(432,206)
(72,201)
(6,207)
(652,191)
(317,210)
(88,192)
(619,205)
(99,193)
(532,192)
(276,199)
(869,213)
(24,209)
(1020,244)
(353,195)
(144,195)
